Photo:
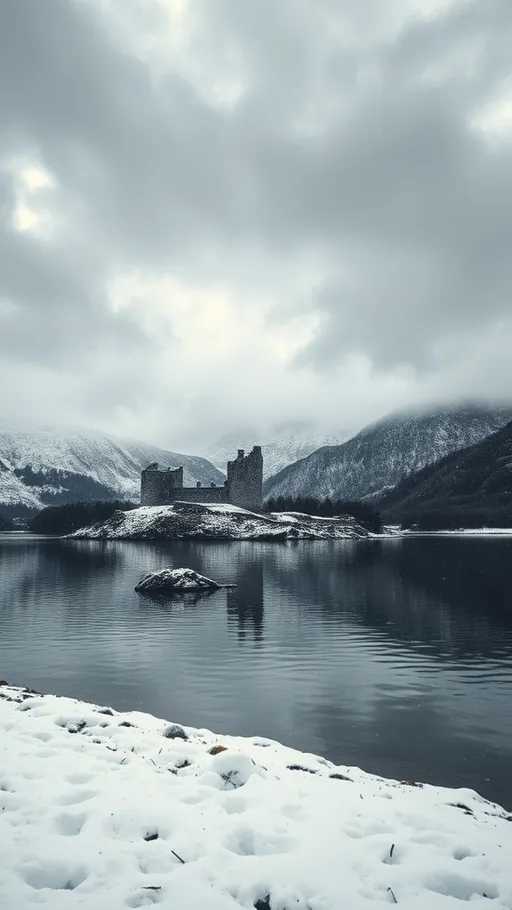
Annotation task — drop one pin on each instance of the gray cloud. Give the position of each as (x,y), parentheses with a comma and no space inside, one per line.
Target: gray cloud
(348,182)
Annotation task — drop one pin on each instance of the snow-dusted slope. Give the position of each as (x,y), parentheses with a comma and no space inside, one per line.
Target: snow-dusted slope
(471,487)
(280,447)
(381,455)
(197,521)
(46,464)
(102,811)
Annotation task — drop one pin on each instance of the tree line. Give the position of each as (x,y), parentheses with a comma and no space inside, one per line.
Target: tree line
(74,515)
(364,513)
(6,523)
(456,518)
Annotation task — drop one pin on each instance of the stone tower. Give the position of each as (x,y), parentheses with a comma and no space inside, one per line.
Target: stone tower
(245,480)
(157,487)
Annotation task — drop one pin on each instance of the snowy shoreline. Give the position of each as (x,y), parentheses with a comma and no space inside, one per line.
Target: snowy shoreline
(102,810)
(199,521)
(461,532)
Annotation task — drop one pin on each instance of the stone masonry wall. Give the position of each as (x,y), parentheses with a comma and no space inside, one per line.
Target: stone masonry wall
(244,486)
(245,480)
(202,494)
(159,487)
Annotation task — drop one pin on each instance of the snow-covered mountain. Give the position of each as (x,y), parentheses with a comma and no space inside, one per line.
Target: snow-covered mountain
(468,488)
(280,446)
(49,465)
(381,455)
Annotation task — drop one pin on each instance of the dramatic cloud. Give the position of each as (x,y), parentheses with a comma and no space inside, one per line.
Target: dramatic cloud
(220,213)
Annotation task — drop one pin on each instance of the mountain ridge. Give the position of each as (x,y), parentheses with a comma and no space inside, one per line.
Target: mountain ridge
(468,488)
(281,445)
(44,465)
(373,461)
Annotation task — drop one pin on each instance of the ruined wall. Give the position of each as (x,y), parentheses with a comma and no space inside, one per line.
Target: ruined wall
(244,486)
(245,480)
(159,488)
(163,487)
(202,494)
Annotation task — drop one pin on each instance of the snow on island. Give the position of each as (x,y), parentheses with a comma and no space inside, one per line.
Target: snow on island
(102,810)
(189,521)
(177,581)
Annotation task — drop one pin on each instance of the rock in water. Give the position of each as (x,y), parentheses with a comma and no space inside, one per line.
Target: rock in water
(176,581)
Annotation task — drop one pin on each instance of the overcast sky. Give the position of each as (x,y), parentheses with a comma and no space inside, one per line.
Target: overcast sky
(222,213)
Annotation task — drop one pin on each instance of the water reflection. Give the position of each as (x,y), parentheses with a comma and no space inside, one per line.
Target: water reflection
(448,569)
(419,591)
(395,655)
(245,602)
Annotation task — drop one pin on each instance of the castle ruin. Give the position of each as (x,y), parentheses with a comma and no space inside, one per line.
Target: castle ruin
(243,487)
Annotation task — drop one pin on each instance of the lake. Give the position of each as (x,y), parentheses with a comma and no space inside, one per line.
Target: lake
(394,655)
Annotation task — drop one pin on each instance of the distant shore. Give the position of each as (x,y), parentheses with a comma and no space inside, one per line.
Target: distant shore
(465,532)
(310,532)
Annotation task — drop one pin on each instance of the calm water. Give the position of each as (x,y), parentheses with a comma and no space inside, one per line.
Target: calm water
(393,655)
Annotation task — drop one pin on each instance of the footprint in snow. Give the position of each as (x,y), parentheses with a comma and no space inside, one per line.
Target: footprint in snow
(57,876)
(76,796)
(43,736)
(461,887)
(79,777)
(145,897)
(70,824)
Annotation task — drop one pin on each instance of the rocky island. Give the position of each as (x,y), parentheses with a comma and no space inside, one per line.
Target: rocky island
(177,581)
(222,521)
(172,511)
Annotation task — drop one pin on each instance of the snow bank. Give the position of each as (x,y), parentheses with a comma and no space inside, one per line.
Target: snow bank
(100,810)
(189,521)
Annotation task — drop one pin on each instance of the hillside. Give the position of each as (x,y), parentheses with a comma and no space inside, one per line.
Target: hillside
(281,446)
(381,455)
(51,465)
(469,488)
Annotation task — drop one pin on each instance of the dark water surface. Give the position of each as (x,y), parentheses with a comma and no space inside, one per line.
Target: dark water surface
(393,655)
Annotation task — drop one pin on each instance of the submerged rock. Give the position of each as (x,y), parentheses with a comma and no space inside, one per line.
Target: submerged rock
(177,581)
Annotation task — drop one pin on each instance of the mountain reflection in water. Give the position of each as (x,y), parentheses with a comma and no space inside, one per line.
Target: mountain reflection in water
(395,655)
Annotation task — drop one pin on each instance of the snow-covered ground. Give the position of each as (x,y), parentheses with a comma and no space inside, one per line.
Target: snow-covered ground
(507,532)
(100,810)
(185,521)
(462,532)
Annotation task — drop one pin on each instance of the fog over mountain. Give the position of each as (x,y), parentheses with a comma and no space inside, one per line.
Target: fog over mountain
(384,453)
(281,445)
(471,487)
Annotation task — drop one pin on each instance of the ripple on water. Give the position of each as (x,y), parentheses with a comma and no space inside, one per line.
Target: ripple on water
(397,658)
